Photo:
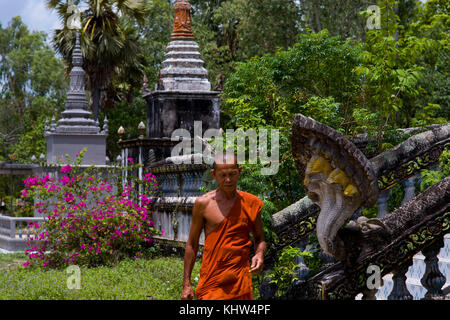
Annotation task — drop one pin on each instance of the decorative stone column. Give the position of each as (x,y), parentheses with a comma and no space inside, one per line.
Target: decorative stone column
(383,203)
(400,290)
(409,186)
(433,279)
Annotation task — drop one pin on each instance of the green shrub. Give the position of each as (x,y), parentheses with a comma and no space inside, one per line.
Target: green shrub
(431,177)
(284,273)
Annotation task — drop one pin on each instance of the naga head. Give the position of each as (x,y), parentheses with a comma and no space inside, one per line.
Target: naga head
(337,176)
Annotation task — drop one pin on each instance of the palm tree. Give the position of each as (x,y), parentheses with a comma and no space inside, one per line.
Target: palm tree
(108,37)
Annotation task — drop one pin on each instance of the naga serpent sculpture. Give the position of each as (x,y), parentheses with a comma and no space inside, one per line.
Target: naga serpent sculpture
(391,167)
(338,178)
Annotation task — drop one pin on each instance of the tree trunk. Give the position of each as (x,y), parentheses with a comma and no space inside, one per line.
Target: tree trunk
(317,16)
(95,101)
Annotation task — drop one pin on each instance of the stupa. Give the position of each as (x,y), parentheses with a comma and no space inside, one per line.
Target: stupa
(183,93)
(76,130)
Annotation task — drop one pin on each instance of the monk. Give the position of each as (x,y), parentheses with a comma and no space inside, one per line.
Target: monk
(227,216)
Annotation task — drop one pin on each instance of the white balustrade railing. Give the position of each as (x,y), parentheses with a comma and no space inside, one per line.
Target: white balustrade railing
(18,227)
(433,279)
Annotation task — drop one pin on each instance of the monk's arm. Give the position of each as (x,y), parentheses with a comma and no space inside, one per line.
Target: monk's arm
(192,247)
(260,245)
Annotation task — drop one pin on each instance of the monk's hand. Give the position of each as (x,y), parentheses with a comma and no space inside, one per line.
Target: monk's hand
(187,293)
(257,264)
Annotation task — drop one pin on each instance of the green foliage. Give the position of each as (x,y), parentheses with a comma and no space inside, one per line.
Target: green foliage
(31,143)
(394,202)
(432,22)
(276,87)
(313,260)
(283,272)
(393,71)
(251,28)
(32,85)
(430,177)
(127,115)
(32,88)
(396,198)
(325,110)
(339,17)
(370,212)
(217,57)
(427,116)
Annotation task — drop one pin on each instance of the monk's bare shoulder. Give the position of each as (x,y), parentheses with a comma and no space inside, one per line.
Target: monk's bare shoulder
(204,200)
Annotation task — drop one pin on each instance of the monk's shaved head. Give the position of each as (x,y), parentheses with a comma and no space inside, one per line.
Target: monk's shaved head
(225,157)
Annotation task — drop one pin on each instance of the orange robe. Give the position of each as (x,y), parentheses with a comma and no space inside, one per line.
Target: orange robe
(224,274)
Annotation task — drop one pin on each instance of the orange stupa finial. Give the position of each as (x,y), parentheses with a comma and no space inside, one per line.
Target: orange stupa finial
(182,26)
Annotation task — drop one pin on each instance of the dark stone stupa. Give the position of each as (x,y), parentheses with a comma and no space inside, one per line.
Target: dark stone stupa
(183,93)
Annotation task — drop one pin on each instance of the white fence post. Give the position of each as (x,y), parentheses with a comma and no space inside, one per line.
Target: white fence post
(12,228)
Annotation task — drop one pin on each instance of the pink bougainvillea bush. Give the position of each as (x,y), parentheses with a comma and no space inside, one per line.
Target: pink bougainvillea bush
(89,221)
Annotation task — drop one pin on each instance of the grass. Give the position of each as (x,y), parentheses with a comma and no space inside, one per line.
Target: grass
(160,277)
(11,261)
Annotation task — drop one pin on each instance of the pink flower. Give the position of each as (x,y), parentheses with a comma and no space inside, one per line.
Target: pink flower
(82,204)
(66,169)
(68,197)
(150,177)
(145,199)
(130,160)
(64,180)
(53,188)
(24,193)
(31,181)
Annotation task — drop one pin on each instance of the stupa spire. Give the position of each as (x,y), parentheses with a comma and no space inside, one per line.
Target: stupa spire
(183,69)
(182,26)
(76,117)
(76,130)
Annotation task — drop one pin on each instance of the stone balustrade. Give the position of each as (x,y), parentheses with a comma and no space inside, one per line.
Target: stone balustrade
(16,231)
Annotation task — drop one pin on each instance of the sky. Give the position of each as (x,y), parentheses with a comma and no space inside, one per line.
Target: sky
(34,13)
